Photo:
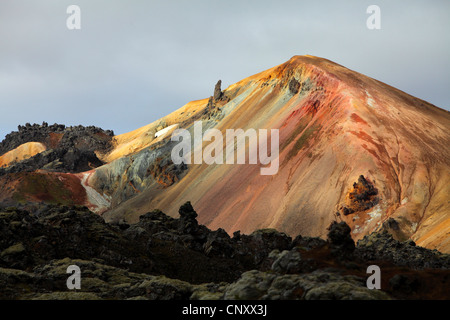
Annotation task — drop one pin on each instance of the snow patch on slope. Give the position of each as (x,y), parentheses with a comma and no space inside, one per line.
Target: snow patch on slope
(165,130)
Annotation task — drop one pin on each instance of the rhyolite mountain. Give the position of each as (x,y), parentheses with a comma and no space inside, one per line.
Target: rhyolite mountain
(352,149)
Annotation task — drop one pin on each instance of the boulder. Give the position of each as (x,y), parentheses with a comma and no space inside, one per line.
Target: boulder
(340,239)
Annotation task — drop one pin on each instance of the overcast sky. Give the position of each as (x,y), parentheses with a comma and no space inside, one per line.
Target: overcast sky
(133,62)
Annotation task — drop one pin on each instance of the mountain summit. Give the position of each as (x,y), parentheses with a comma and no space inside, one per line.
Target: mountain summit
(351,149)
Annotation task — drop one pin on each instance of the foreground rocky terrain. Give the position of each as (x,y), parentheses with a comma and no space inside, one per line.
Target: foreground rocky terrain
(161,257)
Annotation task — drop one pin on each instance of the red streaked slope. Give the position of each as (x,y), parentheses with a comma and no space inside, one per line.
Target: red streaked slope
(339,125)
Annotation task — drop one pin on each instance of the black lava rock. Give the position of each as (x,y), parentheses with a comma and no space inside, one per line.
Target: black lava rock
(341,242)
(294,86)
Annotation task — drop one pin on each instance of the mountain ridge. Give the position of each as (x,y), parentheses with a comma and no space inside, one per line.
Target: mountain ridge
(354,117)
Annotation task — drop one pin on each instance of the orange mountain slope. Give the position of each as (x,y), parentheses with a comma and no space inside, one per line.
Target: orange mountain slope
(22,152)
(335,125)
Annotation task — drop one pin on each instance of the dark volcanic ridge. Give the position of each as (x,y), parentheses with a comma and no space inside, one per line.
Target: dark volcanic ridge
(69,149)
(166,258)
